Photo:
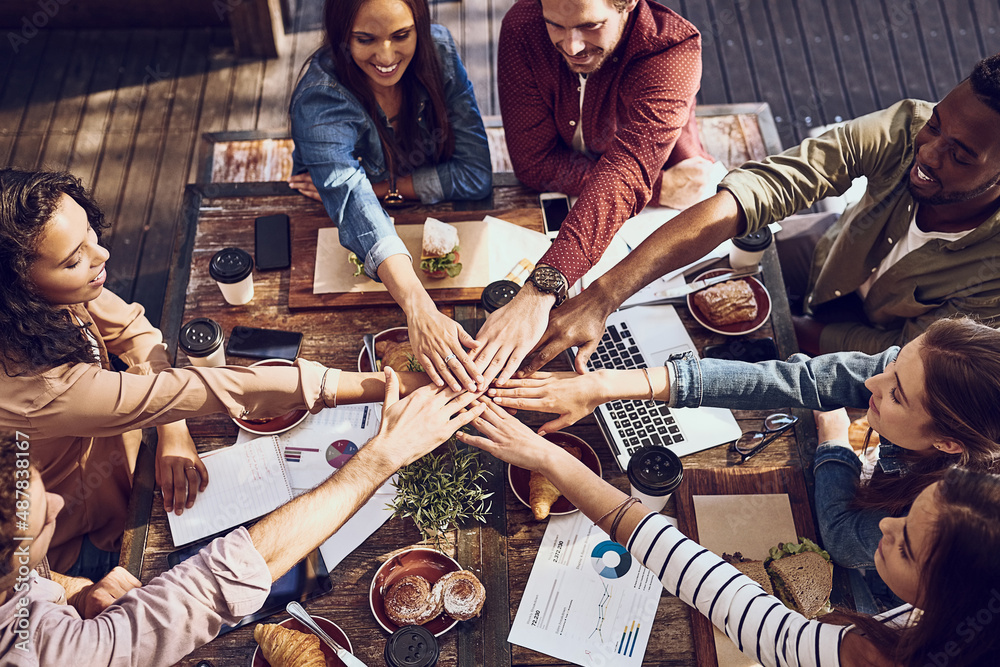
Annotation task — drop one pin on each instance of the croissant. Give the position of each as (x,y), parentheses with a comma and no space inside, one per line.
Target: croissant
(542,494)
(283,647)
(463,594)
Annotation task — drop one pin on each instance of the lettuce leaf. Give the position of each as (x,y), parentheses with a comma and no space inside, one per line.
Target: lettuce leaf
(445,263)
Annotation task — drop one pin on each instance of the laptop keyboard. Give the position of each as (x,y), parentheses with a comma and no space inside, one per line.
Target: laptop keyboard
(639,423)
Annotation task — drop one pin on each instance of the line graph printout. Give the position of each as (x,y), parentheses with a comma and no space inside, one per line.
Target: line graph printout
(587,600)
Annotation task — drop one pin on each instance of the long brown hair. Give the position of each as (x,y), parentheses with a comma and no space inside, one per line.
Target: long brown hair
(403,150)
(959,583)
(962,393)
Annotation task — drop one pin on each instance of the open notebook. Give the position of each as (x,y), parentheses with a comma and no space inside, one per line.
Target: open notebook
(245,482)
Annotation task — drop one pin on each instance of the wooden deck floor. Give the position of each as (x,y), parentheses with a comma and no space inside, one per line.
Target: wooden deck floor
(124,110)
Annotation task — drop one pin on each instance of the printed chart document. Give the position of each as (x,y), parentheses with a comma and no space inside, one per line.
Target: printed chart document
(587,600)
(245,482)
(317,448)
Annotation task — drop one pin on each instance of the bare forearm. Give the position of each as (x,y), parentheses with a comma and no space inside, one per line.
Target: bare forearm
(291,532)
(678,242)
(370,387)
(396,273)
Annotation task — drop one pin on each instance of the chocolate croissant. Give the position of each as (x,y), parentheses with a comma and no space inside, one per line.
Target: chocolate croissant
(283,647)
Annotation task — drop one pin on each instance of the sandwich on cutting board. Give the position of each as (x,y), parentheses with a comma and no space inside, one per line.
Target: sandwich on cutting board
(439,249)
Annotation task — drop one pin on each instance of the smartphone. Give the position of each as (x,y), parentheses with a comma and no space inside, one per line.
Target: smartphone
(555,208)
(757,349)
(306,580)
(272,243)
(264,343)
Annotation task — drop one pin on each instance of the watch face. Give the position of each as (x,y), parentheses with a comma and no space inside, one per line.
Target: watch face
(547,279)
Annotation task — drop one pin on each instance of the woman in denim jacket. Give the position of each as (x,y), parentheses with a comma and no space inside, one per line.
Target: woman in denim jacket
(385,112)
(933,404)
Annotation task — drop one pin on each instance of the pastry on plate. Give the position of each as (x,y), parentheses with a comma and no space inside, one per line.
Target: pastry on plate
(543,494)
(727,303)
(284,647)
(412,601)
(462,594)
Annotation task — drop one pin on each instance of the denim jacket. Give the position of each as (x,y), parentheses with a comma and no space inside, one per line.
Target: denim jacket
(337,142)
(824,383)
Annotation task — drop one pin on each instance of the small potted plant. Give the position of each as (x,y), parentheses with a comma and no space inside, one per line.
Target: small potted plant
(441,490)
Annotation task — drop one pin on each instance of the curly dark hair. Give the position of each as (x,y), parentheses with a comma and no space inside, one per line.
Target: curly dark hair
(8,479)
(985,80)
(35,335)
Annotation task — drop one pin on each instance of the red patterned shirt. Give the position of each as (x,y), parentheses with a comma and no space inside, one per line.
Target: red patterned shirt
(638,118)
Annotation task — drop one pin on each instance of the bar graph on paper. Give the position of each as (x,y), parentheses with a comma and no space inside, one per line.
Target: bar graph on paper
(587,600)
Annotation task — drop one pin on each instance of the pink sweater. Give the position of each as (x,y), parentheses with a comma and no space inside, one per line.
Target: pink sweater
(157,624)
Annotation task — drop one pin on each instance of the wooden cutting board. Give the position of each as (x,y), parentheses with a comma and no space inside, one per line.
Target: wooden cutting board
(305,230)
(737,481)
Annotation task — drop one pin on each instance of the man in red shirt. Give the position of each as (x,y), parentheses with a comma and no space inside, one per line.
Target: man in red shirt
(597,98)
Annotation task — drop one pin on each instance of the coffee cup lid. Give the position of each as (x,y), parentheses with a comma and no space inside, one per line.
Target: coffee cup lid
(200,337)
(498,294)
(411,646)
(230,265)
(755,241)
(655,470)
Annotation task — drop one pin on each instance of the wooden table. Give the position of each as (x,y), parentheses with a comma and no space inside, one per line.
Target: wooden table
(502,551)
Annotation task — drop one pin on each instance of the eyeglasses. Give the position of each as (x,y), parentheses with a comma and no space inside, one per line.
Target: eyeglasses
(752,442)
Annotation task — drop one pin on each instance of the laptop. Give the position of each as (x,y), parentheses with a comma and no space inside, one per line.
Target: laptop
(646,336)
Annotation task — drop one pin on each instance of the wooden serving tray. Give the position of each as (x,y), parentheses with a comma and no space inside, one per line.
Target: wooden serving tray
(305,230)
(737,481)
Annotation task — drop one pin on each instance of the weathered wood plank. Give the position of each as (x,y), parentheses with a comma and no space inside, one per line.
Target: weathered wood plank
(17,92)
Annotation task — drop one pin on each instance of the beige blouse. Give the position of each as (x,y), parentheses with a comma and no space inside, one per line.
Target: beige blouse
(82,420)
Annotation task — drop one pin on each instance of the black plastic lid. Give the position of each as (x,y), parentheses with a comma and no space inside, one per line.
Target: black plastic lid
(230,265)
(655,470)
(498,294)
(755,242)
(200,337)
(411,646)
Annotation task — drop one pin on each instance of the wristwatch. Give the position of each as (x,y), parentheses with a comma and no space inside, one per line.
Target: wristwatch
(550,280)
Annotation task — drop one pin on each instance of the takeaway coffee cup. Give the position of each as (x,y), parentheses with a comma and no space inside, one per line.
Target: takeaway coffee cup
(654,472)
(232,270)
(747,250)
(202,341)
(411,646)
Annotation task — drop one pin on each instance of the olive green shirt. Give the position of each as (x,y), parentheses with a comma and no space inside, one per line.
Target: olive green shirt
(935,281)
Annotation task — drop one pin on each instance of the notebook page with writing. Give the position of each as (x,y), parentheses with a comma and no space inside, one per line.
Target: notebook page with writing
(246,481)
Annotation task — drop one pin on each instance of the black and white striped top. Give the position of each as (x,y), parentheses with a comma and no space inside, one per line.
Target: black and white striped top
(758,623)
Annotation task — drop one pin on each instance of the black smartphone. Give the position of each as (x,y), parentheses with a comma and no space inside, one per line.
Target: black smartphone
(555,208)
(272,242)
(757,349)
(264,343)
(308,579)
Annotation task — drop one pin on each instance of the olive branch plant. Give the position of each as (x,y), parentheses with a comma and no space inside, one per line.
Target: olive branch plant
(441,490)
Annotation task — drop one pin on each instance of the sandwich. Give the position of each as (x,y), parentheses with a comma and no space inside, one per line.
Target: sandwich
(752,568)
(802,576)
(439,249)
(359,266)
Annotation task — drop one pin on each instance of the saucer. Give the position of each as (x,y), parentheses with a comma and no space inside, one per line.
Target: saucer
(519,477)
(328,626)
(760,294)
(274,425)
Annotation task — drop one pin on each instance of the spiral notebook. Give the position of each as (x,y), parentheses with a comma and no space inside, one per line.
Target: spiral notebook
(246,481)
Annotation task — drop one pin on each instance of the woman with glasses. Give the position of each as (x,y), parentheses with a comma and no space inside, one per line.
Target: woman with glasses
(933,404)
(940,559)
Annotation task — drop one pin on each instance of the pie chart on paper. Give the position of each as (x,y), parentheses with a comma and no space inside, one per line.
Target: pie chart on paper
(611,560)
(339,452)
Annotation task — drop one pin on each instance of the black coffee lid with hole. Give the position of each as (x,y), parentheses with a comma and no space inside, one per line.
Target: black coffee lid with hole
(411,646)
(230,265)
(756,241)
(200,337)
(498,294)
(655,470)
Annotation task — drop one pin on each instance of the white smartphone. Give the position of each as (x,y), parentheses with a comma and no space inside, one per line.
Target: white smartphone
(555,208)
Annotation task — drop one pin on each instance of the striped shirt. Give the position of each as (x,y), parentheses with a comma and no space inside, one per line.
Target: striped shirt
(759,624)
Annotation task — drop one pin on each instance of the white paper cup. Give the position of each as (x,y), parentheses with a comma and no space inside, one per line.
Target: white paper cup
(654,472)
(203,342)
(232,271)
(748,250)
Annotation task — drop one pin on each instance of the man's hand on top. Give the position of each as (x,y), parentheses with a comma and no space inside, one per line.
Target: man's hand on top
(511,332)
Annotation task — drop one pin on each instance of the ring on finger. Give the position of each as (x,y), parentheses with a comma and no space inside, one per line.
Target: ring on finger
(450,357)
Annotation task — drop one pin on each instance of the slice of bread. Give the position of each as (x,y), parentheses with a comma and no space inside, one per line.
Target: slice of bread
(803,582)
(751,568)
(439,238)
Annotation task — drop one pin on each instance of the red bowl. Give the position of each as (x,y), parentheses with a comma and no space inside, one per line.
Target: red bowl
(519,477)
(430,564)
(395,335)
(274,425)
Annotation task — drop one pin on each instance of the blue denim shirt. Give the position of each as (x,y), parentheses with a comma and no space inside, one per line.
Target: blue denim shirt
(338,144)
(824,383)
